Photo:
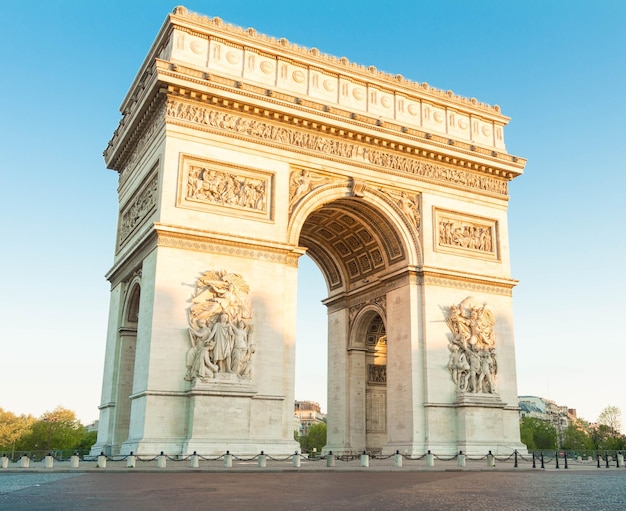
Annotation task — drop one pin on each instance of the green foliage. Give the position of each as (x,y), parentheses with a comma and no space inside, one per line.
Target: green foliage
(314,439)
(538,434)
(317,436)
(55,430)
(13,427)
(576,437)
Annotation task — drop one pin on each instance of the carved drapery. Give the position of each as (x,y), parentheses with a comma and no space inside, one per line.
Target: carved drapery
(472,363)
(220,329)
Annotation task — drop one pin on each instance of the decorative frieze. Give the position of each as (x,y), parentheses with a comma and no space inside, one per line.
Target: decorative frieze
(289,138)
(222,187)
(466,235)
(135,213)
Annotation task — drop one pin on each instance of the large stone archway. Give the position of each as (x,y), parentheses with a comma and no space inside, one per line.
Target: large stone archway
(238,153)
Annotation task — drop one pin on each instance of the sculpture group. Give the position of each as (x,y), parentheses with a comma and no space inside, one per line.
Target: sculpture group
(220,328)
(472,363)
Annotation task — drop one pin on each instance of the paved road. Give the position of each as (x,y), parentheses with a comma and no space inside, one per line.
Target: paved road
(315,491)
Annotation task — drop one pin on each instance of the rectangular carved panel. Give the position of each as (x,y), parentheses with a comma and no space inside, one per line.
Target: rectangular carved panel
(225,188)
(465,235)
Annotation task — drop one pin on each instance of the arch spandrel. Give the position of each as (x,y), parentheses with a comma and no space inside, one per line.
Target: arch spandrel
(353,237)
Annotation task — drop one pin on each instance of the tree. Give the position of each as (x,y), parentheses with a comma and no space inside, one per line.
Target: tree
(13,428)
(577,437)
(55,430)
(611,417)
(316,439)
(538,434)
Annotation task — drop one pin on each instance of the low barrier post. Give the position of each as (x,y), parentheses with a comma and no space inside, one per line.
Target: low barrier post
(295,460)
(262,460)
(228,460)
(556,457)
(24,461)
(194,460)
(397,459)
(74,460)
(430,459)
(365,459)
(161,461)
(460,459)
(565,460)
(491,460)
(48,461)
(534,463)
(542,465)
(131,461)
(5,461)
(606,457)
(102,461)
(330,459)
(515,464)
(620,459)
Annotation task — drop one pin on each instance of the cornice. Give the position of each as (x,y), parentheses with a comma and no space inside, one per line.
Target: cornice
(463,280)
(179,77)
(240,246)
(263,126)
(203,26)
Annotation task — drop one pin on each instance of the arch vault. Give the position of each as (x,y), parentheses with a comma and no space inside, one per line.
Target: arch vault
(237,153)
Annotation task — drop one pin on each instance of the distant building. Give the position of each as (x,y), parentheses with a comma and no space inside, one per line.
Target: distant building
(306,413)
(547,410)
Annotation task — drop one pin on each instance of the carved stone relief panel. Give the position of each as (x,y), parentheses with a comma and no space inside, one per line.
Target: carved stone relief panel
(220,329)
(473,363)
(330,147)
(135,212)
(209,185)
(301,182)
(409,204)
(376,403)
(465,235)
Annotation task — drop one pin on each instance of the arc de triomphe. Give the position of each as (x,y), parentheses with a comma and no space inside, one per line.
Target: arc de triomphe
(237,153)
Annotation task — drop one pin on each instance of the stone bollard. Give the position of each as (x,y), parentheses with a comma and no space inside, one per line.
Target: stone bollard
(48,461)
(24,462)
(620,460)
(5,461)
(460,459)
(228,460)
(365,459)
(161,461)
(330,459)
(74,461)
(262,460)
(131,461)
(194,460)
(295,460)
(102,461)
(397,459)
(491,460)
(430,459)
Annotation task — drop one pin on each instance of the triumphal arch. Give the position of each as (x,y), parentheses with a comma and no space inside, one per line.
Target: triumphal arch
(237,153)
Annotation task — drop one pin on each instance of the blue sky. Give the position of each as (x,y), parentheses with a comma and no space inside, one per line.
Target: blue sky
(557,68)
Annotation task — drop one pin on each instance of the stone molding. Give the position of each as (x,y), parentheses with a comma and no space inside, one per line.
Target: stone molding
(181,17)
(335,148)
(475,283)
(216,244)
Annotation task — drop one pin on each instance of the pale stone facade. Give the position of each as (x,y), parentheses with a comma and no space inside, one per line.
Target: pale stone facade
(237,153)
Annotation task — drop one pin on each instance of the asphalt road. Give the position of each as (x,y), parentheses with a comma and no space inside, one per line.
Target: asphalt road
(315,491)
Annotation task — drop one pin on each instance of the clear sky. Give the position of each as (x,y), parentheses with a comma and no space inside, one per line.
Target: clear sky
(556,67)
